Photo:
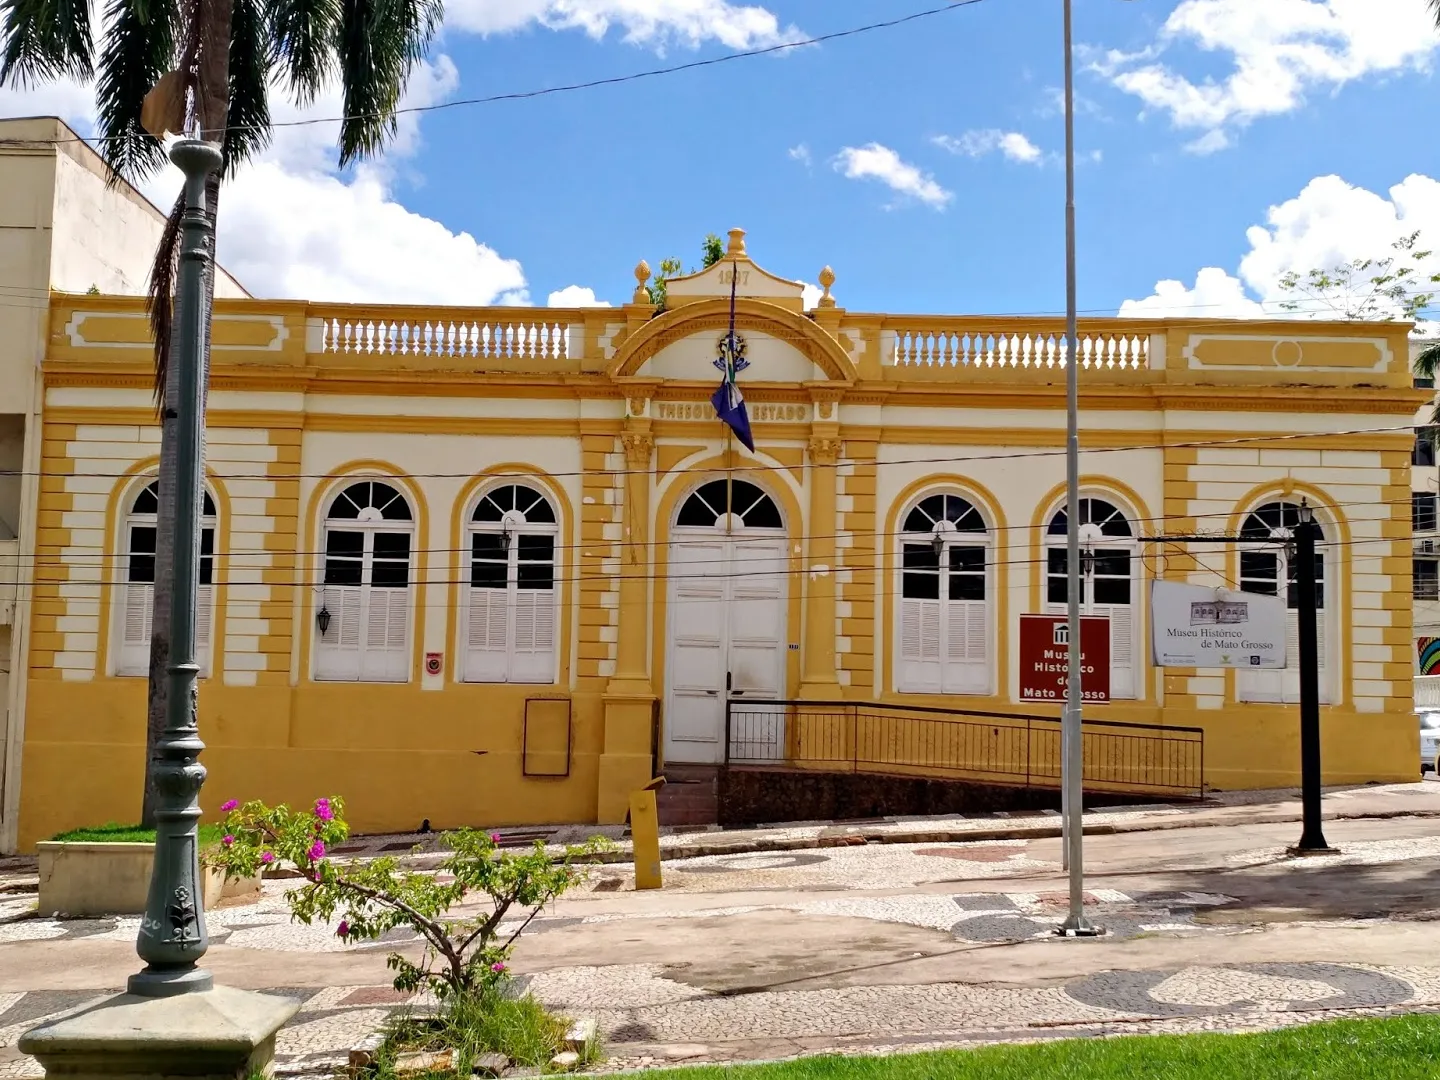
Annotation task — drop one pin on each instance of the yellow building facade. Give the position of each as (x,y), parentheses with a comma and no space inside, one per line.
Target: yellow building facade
(499,565)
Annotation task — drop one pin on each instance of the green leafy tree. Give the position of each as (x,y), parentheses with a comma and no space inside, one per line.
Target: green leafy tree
(1383,290)
(712,250)
(207,67)
(463,955)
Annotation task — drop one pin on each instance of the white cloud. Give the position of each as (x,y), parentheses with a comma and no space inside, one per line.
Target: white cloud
(291,226)
(72,101)
(1329,223)
(811,296)
(1216,295)
(653,23)
(801,154)
(1212,142)
(877,162)
(1012,144)
(322,238)
(575,296)
(1277,51)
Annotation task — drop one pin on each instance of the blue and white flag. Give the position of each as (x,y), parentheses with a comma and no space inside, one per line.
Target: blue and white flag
(728,402)
(727,399)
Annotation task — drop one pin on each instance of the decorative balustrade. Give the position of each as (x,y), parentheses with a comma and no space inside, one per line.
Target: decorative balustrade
(525,337)
(1025,348)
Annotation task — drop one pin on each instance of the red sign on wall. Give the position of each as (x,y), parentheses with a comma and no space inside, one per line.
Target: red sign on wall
(1045,658)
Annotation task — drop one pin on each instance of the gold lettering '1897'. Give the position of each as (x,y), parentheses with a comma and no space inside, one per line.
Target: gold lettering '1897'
(726,276)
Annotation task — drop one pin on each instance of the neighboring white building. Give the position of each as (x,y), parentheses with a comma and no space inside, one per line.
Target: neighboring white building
(63,229)
(1425,503)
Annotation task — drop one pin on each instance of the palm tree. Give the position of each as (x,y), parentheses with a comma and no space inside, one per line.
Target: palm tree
(211,65)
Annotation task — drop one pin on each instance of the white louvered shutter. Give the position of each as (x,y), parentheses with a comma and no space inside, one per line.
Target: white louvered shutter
(136,621)
(204,620)
(1122,649)
(532,658)
(487,654)
(920,646)
(966,648)
(1285,685)
(338,654)
(385,655)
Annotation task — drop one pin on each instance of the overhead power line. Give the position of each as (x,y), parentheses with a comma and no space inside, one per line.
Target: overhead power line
(589,84)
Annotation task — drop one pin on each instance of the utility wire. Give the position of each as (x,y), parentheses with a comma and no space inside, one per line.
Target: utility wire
(567,88)
(603,548)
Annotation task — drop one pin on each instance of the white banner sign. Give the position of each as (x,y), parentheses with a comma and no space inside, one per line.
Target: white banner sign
(1194,626)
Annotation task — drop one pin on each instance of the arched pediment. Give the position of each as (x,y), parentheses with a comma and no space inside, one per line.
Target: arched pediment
(787,339)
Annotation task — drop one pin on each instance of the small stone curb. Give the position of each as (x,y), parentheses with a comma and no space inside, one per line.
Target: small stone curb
(711,844)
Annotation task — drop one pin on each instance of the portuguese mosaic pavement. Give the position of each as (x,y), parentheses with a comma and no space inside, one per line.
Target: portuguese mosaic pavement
(657,1013)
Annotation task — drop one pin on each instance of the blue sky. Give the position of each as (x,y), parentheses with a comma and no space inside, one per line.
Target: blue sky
(1222,142)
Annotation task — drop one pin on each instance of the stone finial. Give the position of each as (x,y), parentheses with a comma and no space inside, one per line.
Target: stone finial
(642,275)
(827,278)
(736,247)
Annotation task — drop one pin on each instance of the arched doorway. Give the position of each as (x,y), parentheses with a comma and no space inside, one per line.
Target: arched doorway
(726,614)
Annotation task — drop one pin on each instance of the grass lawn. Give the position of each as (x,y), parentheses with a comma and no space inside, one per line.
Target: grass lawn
(1388,1049)
(130,834)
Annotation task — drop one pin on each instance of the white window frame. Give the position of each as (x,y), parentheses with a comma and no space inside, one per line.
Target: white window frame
(1126,680)
(1281,686)
(970,676)
(493,638)
(352,608)
(134,602)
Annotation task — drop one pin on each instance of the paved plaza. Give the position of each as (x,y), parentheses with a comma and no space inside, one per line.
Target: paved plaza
(858,937)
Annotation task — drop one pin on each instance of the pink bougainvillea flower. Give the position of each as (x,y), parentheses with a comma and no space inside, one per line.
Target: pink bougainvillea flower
(226,807)
(317,850)
(497,967)
(323,811)
(494,837)
(227,840)
(267,857)
(343,930)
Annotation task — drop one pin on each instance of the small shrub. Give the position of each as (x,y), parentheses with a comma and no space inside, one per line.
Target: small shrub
(473,1024)
(463,956)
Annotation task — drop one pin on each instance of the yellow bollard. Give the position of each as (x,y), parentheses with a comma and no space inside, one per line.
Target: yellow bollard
(645,834)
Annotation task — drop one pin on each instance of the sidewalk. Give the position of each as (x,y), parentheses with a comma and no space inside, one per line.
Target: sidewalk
(829,944)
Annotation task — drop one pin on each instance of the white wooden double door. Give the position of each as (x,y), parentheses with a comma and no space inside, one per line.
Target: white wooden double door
(726,635)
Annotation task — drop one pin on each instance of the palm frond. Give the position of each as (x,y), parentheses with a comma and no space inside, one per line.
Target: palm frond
(303,35)
(1435,7)
(44,40)
(379,44)
(247,129)
(160,296)
(139,48)
(1427,363)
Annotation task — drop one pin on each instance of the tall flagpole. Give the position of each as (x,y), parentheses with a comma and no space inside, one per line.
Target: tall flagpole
(1072,738)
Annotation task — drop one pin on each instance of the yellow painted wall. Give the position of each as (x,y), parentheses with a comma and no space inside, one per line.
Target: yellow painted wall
(396,754)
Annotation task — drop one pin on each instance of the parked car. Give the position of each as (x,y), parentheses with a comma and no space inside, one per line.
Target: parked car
(1430,742)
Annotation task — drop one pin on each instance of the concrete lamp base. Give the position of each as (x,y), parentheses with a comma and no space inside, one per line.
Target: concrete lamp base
(209,1035)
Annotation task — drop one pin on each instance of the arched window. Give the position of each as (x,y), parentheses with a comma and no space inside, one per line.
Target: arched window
(746,505)
(363,617)
(1266,561)
(1108,566)
(944,618)
(512,609)
(138,590)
